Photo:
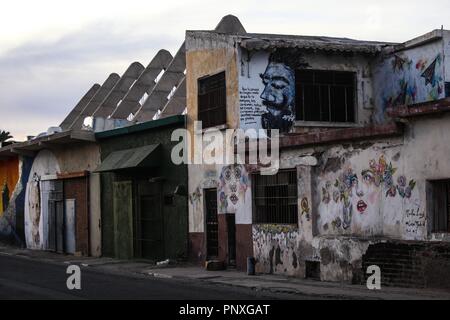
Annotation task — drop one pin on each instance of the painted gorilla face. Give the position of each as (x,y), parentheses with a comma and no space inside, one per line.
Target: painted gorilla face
(279,91)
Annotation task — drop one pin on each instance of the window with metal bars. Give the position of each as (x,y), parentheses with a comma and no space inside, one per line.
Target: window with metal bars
(325,96)
(275,198)
(440,206)
(212,100)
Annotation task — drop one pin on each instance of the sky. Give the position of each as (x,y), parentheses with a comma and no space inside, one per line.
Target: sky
(53,51)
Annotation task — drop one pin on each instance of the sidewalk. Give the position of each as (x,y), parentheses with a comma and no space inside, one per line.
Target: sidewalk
(270,283)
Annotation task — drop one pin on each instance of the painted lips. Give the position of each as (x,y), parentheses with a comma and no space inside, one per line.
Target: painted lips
(362,206)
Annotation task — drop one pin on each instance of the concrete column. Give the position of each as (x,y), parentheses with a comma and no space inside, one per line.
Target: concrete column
(109,104)
(144,84)
(177,103)
(94,103)
(79,107)
(170,79)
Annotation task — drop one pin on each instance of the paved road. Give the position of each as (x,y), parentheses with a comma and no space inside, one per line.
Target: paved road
(22,278)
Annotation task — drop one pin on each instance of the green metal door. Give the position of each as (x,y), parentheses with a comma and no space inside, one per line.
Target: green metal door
(149,222)
(123,219)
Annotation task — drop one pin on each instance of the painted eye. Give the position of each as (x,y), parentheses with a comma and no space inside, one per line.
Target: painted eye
(237,173)
(264,79)
(367,177)
(227,174)
(278,85)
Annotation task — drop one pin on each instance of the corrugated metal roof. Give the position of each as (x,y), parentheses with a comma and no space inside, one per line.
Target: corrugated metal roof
(147,156)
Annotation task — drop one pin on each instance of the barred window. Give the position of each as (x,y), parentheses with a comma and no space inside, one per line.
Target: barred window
(326,96)
(212,100)
(440,206)
(275,198)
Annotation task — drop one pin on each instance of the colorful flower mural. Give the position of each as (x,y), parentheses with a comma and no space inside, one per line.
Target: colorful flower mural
(350,191)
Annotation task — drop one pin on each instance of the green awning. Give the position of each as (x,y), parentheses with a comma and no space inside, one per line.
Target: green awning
(143,157)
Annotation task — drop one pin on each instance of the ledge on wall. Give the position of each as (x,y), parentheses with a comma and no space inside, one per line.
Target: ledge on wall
(433,107)
(342,134)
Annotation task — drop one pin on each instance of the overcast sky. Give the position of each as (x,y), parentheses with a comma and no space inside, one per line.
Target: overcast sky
(53,51)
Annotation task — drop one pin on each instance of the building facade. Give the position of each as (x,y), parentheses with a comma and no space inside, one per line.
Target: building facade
(360,179)
(144,194)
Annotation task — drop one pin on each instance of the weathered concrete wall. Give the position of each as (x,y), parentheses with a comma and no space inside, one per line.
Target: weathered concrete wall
(233,197)
(47,165)
(208,55)
(360,194)
(407,77)
(78,157)
(86,157)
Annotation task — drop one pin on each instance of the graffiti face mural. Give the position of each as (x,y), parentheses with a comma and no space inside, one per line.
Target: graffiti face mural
(267,88)
(352,193)
(278,97)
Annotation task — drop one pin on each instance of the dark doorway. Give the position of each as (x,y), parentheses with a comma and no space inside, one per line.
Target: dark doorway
(55,215)
(123,219)
(149,222)
(231,227)
(212,228)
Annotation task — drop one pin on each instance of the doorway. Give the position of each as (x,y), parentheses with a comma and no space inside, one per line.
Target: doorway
(212,225)
(231,228)
(149,222)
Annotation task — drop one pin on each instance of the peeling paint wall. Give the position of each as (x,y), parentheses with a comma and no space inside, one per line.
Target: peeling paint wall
(276,248)
(208,55)
(360,193)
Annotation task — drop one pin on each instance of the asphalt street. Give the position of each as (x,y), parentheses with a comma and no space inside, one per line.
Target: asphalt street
(22,278)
